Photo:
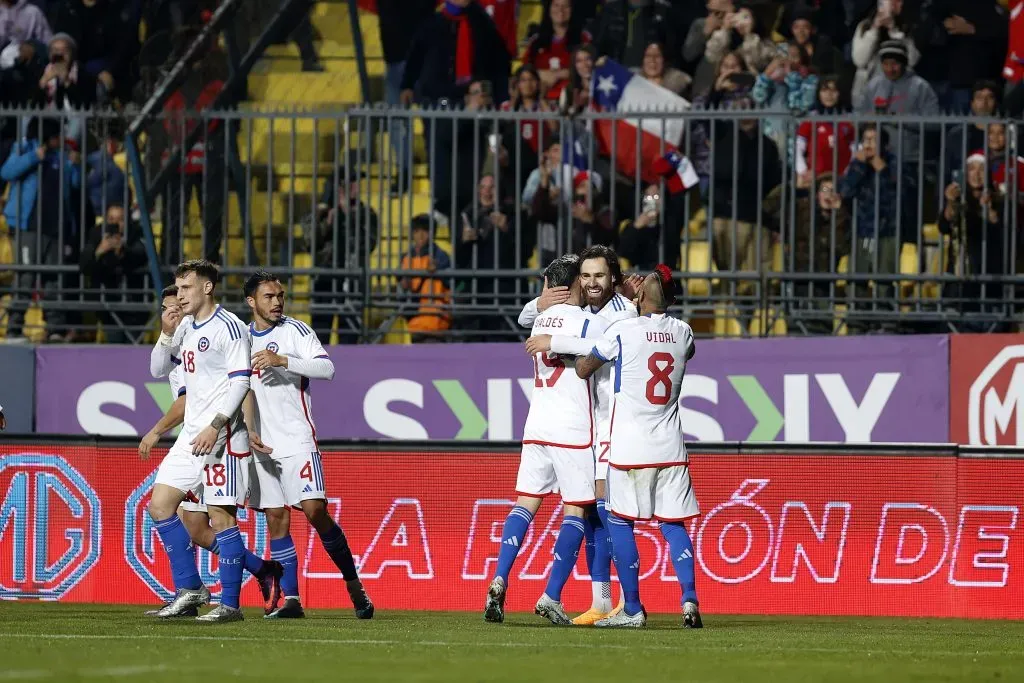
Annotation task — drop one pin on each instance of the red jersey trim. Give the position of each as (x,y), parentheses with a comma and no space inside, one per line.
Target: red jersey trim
(647,467)
(532,495)
(227,445)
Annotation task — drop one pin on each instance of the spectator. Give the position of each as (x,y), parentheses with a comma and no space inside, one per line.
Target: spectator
(433,314)
(824,57)
(460,40)
(653,237)
(733,82)
(824,146)
(656,71)
(745,168)
(200,169)
(20,21)
(504,14)
(980,240)
(514,151)
(897,90)
(884,22)
(550,49)
(106,184)
(487,241)
(696,44)
(104,38)
(344,232)
(963,138)
(459,147)
(821,237)
(399,22)
(625,28)
(114,256)
(590,219)
(64,83)
(742,32)
(21,67)
(788,81)
(870,183)
(1013,65)
(576,97)
(964,41)
(44,179)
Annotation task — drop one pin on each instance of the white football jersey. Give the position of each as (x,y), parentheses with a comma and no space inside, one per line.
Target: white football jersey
(561,405)
(284,413)
(618,308)
(177,379)
(211,353)
(650,355)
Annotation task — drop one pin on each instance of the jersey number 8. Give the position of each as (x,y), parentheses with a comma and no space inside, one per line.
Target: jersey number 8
(660,377)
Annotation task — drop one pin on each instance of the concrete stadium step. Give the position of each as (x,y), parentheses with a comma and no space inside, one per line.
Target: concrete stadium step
(304,89)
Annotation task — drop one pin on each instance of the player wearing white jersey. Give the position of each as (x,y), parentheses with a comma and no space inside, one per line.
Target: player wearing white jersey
(192,512)
(600,275)
(649,477)
(286,469)
(212,449)
(557,451)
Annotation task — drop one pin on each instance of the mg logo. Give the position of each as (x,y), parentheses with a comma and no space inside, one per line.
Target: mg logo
(141,542)
(50,527)
(996,401)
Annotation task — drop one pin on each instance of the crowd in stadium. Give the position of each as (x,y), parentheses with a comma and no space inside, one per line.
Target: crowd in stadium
(787,59)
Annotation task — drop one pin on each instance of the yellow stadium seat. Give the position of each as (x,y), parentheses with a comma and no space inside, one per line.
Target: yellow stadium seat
(398,333)
(768,322)
(910,264)
(695,257)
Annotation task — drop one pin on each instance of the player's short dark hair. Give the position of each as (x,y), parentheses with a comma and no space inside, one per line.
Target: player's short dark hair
(201,267)
(610,257)
(563,271)
(254,281)
(169,290)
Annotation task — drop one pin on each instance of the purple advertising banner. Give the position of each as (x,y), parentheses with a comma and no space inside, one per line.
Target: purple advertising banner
(785,389)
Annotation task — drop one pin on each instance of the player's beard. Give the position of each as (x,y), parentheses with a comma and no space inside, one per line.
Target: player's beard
(600,299)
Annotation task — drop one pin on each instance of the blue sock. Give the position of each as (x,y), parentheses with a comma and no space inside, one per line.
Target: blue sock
(283,550)
(252,562)
(180,551)
(627,560)
(336,546)
(589,522)
(232,557)
(681,547)
(512,535)
(601,570)
(567,549)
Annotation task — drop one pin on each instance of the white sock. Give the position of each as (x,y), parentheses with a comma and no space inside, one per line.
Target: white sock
(602,596)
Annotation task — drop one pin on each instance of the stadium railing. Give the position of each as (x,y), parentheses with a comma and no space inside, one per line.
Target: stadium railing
(817,529)
(755,255)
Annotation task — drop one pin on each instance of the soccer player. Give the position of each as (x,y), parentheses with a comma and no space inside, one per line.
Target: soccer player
(286,470)
(212,449)
(193,513)
(649,477)
(600,275)
(557,450)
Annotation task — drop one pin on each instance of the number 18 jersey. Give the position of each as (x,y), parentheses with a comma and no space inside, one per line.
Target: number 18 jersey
(649,356)
(561,404)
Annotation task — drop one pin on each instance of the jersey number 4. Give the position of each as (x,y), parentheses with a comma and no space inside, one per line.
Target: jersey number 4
(188,361)
(661,365)
(539,378)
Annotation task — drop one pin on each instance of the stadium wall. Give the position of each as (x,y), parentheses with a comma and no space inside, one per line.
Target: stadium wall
(908,530)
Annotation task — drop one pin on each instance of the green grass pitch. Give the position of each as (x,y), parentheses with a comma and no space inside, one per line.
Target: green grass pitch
(61,642)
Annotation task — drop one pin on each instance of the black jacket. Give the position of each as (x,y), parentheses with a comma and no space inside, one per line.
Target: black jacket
(399,21)
(430,63)
(102,32)
(612,31)
(641,246)
(962,60)
(750,167)
(111,267)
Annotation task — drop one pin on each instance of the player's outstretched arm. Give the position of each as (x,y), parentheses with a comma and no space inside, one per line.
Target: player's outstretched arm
(549,297)
(528,314)
(174,416)
(606,349)
(588,366)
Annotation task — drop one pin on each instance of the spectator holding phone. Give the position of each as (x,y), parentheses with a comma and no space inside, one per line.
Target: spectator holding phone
(742,32)
(115,257)
(884,22)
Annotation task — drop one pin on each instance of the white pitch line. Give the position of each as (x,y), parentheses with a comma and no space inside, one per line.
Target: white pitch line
(698,646)
(107,672)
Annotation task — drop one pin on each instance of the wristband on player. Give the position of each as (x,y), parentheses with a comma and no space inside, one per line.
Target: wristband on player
(165,339)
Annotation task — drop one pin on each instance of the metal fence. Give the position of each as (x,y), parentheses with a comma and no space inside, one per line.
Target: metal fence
(798,225)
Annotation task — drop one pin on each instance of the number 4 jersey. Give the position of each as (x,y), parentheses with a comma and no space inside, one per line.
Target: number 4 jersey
(561,405)
(648,356)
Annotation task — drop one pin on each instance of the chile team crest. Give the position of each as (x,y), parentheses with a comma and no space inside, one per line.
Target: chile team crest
(141,542)
(272,347)
(204,343)
(50,527)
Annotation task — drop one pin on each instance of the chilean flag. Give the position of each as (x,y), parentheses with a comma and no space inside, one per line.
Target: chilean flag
(616,88)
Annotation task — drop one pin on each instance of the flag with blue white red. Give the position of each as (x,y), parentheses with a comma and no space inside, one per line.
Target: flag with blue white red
(617,89)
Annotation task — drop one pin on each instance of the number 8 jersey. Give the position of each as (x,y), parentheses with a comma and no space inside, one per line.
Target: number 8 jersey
(649,356)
